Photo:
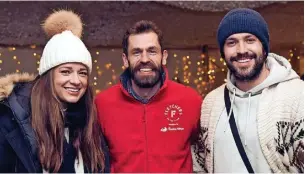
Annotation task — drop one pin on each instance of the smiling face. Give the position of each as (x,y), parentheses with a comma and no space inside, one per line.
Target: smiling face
(244,56)
(70,81)
(144,59)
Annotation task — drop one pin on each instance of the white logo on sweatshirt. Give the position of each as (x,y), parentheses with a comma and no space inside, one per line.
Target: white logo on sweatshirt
(173,114)
(163,129)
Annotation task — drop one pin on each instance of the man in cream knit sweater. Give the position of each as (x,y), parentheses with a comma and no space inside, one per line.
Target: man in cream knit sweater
(265,102)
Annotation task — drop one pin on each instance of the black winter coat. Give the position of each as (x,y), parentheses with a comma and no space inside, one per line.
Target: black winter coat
(18,147)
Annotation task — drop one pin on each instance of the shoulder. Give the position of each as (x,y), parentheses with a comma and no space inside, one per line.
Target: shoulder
(212,99)
(185,91)
(108,94)
(290,89)
(218,92)
(295,85)
(290,94)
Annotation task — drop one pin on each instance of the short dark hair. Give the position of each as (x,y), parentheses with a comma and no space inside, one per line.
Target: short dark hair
(142,27)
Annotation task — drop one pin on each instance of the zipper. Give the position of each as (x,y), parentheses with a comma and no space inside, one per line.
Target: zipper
(145,135)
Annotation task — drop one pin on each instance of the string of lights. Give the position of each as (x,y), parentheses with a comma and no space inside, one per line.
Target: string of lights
(199,69)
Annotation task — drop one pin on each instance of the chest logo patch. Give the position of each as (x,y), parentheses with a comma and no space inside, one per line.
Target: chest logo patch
(173,114)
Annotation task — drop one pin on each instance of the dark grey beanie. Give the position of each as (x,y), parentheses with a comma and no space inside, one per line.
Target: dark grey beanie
(243,20)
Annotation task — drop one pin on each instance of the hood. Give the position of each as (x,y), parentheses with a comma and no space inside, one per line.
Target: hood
(8,82)
(280,71)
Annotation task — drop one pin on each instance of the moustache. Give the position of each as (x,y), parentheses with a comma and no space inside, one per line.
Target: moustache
(241,56)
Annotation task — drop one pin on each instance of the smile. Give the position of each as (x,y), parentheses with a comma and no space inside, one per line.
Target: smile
(243,60)
(145,69)
(73,89)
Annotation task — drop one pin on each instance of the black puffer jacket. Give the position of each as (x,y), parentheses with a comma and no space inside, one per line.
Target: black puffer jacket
(18,147)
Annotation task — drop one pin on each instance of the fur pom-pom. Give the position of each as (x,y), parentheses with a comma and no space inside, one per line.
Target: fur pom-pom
(63,20)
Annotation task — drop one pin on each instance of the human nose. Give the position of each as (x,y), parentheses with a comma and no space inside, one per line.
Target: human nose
(241,48)
(75,79)
(145,57)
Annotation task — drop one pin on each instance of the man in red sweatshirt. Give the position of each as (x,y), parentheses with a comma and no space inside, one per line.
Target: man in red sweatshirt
(148,120)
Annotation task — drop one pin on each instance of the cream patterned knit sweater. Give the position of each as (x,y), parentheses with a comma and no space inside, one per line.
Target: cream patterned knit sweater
(280,124)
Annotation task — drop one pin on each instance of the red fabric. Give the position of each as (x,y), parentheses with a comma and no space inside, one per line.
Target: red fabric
(138,134)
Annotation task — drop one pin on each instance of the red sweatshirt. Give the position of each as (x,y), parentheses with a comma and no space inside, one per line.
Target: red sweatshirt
(153,137)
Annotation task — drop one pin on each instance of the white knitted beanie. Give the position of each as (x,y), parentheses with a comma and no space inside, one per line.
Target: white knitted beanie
(65,29)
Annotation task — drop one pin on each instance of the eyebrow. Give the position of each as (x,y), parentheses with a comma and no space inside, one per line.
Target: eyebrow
(83,69)
(231,38)
(152,48)
(136,49)
(70,68)
(247,36)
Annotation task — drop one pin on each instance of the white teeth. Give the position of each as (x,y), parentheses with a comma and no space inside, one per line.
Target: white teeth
(145,69)
(243,60)
(72,89)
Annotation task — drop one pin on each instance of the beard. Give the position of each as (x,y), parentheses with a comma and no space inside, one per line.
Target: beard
(145,81)
(246,73)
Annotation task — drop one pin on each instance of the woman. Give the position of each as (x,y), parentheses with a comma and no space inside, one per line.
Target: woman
(49,124)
